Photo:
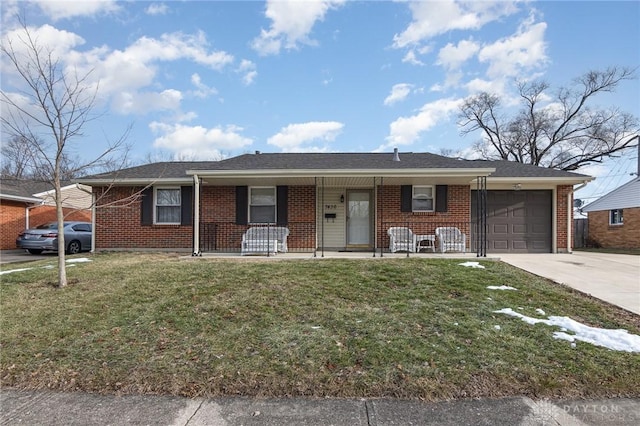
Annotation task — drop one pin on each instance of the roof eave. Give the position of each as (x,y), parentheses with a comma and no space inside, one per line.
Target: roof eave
(562,180)
(134,181)
(439,172)
(32,200)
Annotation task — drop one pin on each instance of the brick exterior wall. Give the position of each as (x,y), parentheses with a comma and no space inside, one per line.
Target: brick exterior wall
(626,235)
(561,217)
(118,224)
(389,214)
(13,219)
(218,206)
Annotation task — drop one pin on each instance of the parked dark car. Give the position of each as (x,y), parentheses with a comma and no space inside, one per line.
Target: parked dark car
(77,237)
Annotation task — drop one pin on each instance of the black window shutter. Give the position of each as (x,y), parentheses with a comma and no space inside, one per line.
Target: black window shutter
(406,194)
(146,207)
(242,200)
(282,202)
(441,198)
(186,208)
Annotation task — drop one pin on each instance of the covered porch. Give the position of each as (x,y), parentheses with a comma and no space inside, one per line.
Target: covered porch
(339,213)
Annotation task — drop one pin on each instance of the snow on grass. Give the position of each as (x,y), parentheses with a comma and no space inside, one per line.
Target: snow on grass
(501,287)
(472,265)
(617,340)
(15,270)
(540,311)
(78,260)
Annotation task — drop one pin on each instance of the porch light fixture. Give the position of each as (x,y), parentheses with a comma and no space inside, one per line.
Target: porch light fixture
(517,187)
(342,198)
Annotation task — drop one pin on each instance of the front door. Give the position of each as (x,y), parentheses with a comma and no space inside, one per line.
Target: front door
(359,219)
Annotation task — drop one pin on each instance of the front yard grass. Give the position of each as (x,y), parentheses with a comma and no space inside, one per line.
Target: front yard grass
(406,328)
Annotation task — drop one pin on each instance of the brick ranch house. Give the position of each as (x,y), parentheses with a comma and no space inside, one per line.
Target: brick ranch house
(333,201)
(614,218)
(28,203)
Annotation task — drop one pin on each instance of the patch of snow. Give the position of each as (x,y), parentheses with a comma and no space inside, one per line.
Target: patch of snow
(315,327)
(472,265)
(455,323)
(540,311)
(11,271)
(501,287)
(617,340)
(79,260)
(497,327)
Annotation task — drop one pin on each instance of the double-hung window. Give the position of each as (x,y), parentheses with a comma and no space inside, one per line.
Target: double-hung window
(167,207)
(262,204)
(615,217)
(422,199)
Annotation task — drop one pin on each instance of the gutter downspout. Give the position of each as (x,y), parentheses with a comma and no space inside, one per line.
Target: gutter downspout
(196,216)
(93,221)
(570,216)
(26,213)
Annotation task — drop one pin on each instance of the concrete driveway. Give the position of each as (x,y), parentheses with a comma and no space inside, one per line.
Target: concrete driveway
(14,256)
(614,278)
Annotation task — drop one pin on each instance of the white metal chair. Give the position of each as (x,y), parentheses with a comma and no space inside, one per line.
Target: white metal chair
(401,238)
(265,239)
(451,238)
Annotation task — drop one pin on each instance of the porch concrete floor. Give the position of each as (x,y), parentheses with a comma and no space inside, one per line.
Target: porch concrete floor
(342,255)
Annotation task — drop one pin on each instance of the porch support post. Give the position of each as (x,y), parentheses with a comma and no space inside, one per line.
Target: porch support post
(381,215)
(375,217)
(315,234)
(322,217)
(196,216)
(481,216)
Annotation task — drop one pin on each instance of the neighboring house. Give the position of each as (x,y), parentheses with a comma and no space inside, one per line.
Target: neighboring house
(27,204)
(614,218)
(334,201)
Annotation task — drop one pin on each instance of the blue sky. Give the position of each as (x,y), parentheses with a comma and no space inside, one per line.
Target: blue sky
(211,79)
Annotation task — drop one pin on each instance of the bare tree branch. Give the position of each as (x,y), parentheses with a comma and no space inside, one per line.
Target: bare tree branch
(563,132)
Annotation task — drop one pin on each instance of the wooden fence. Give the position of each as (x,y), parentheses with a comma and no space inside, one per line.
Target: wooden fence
(580,233)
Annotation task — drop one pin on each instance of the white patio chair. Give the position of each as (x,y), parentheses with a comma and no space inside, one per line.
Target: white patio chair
(451,238)
(401,238)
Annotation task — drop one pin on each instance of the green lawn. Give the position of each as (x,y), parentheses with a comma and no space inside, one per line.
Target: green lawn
(408,328)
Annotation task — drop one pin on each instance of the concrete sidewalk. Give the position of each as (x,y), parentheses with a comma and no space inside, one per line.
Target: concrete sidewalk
(614,278)
(53,408)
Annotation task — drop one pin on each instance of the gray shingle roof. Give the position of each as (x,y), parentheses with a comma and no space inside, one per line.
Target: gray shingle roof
(23,187)
(330,161)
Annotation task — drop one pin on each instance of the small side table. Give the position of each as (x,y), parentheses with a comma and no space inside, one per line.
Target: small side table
(425,242)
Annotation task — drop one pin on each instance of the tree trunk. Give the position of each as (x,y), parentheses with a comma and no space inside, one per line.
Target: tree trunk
(62,267)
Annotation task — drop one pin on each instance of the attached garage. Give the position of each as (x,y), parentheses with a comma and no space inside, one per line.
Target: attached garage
(518,221)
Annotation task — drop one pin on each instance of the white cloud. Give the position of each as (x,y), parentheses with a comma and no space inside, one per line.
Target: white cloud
(432,18)
(197,142)
(293,137)
(412,59)
(399,92)
(524,50)
(144,102)
(407,130)
(202,90)
(70,9)
(453,56)
(157,9)
(291,23)
(58,42)
(248,71)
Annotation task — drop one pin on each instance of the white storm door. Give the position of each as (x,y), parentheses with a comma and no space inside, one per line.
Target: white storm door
(358,218)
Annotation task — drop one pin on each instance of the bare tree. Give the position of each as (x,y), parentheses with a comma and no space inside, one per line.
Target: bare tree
(46,113)
(565,133)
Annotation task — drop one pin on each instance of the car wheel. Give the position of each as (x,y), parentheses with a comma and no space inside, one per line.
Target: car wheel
(34,251)
(73,247)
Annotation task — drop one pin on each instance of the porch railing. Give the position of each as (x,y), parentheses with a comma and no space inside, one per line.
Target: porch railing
(424,237)
(227,237)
